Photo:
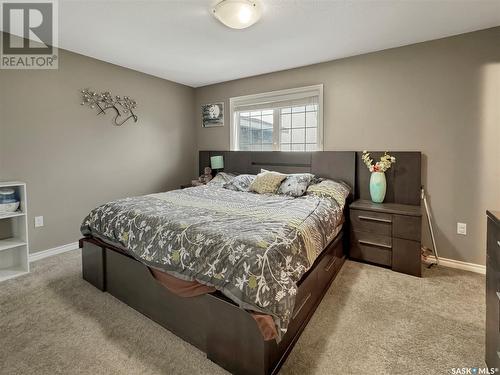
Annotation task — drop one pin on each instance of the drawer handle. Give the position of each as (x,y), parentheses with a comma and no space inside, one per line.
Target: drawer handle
(498,243)
(375,244)
(369,218)
(498,295)
(301,306)
(332,262)
(498,355)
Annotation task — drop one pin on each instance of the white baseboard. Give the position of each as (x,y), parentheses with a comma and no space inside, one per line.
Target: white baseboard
(451,263)
(54,251)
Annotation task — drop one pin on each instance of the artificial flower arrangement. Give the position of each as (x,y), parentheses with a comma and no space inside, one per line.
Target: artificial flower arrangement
(384,164)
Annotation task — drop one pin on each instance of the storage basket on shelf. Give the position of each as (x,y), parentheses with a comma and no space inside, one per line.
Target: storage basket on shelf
(8,200)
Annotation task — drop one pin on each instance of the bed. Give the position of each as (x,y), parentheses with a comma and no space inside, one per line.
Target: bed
(268,256)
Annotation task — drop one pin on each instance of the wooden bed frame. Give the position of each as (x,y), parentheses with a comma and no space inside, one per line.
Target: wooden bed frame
(227,334)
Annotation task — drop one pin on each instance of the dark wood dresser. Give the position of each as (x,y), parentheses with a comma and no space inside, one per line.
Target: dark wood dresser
(493,290)
(387,234)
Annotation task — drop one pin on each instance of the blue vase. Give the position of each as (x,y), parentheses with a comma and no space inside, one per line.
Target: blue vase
(378,186)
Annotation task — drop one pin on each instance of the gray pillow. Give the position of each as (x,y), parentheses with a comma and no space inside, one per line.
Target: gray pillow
(240,183)
(221,178)
(295,185)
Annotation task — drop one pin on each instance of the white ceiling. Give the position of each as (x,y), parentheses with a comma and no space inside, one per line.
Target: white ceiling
(179,40)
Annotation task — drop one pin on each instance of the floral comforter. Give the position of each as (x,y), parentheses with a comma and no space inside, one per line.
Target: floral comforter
(253,248)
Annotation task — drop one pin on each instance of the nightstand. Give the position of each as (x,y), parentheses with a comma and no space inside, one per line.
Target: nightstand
(387,234)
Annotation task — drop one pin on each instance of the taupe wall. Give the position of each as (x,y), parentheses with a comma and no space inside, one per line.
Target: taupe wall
(73,160)
(439,97)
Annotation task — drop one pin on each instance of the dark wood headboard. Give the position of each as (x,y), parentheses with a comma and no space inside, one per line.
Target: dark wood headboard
(338,165)
(403,178)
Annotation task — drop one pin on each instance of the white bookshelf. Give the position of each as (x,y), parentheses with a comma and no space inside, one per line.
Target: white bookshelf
(14,250)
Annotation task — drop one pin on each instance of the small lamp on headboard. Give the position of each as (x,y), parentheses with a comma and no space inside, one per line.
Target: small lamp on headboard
(217,163)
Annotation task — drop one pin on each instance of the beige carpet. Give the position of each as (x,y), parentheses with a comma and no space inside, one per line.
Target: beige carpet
(372,321)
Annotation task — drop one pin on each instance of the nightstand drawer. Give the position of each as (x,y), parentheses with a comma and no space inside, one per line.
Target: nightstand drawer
(371,247)
(372,222)
(407,227)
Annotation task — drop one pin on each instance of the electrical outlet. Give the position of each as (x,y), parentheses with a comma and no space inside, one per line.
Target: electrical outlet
(462,228)
(38,221)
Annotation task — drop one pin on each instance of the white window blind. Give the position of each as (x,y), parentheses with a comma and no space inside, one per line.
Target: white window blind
(287,120)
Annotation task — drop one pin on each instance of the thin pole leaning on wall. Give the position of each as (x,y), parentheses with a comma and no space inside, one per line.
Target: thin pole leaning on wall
(429,221)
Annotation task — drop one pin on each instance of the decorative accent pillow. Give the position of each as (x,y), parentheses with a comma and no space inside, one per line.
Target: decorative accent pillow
(296,184)
(267,182)
(330,189)
(221,178)
(240,183)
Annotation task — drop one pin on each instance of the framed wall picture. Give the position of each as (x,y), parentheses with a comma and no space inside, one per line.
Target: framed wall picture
(212,115)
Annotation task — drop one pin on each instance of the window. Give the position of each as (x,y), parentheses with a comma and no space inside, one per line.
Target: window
(256,130)
(287,120)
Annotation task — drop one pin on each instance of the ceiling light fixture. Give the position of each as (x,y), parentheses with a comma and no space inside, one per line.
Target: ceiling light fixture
(237,14)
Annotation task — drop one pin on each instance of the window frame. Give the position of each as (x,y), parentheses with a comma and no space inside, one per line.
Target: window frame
(262,97)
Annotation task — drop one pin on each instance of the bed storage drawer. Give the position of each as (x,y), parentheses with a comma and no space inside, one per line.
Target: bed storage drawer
(307,294)
(305,302)
(330,264)
(313,286)
(371,248)
(372,222)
